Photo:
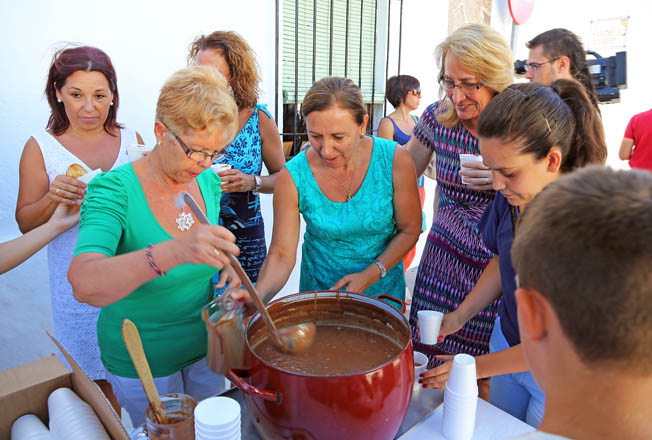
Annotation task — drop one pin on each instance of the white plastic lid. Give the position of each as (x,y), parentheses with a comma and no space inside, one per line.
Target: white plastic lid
(217,411)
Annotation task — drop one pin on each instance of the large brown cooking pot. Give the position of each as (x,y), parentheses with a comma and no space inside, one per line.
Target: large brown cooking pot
(366,405)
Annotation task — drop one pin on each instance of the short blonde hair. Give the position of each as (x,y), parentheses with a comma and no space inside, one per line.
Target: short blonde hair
(198,98)
(484,53)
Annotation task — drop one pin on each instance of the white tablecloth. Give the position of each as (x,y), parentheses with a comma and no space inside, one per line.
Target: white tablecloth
(490,423)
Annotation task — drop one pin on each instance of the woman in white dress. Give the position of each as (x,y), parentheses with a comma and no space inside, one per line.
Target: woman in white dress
(83,96)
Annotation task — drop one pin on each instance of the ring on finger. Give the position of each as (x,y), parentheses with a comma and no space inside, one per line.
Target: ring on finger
(57,190)
(217,253)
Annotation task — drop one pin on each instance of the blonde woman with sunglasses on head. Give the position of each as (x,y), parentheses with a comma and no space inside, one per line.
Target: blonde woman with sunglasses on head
(475,64)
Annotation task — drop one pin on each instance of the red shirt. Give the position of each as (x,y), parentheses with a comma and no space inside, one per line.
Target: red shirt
(639,130)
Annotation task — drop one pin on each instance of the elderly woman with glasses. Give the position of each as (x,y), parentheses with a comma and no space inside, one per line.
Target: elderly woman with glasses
(141,257)
(475,64)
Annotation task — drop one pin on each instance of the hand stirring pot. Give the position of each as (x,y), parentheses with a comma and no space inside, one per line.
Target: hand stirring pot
(292,339)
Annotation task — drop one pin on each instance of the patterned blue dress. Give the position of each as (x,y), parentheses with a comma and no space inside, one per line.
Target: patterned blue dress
(240,211)
(454,255)
(344,238)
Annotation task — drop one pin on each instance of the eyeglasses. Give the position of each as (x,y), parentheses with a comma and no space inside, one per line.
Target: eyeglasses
(535,66)
(416,91)
(467,87)
(195,155)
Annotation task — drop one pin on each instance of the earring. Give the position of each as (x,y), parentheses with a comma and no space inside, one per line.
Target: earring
(111,103)
(59,101)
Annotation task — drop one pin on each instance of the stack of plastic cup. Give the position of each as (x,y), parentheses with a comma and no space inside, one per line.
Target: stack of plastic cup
(218,418)
(71,417)
(29,427)
(460,399)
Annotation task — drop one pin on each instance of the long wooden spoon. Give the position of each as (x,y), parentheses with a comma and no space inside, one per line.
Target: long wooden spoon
(137,354)
(292,339)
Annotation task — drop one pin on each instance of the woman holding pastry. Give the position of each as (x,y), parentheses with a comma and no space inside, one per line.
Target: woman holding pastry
(81,135)
(131,225)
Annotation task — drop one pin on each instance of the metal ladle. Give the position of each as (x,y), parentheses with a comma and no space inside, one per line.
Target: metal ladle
(292,339)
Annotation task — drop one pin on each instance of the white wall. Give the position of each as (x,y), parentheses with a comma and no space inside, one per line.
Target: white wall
(425,25)
(147,41)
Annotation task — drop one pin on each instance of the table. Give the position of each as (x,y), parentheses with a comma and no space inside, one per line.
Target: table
(422,420)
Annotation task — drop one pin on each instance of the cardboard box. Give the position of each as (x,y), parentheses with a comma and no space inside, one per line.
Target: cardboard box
(25,390)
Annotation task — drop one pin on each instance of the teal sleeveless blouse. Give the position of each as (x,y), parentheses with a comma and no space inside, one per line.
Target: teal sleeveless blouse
(344,238)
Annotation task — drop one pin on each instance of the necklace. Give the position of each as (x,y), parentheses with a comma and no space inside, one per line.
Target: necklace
(347,188)
(184,220)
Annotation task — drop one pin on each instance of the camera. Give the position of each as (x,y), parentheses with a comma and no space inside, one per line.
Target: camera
(608,75)
(519,67)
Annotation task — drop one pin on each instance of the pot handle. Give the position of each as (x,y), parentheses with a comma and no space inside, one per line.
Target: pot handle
(273,396)
(396,300)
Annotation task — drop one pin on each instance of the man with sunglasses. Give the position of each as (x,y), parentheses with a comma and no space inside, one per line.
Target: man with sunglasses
(558,53)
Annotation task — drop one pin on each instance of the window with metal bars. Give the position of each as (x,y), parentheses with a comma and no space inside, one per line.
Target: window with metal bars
(326,38)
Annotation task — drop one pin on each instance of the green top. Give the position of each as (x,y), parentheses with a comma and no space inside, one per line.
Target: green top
(116,219)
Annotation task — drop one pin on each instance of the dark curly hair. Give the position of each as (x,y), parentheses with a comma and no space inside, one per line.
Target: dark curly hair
(241,59)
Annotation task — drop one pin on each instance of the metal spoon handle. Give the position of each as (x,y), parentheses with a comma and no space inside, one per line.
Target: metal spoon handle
(201,217)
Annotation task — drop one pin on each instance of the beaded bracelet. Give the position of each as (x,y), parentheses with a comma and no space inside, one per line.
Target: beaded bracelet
(150,260)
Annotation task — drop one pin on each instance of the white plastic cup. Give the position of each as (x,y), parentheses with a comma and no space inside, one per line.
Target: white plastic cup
(219,167)
(458,421)
(61,399)
(462,380)
(217,414)
(135,152)
(420,364)
(78,422)
(465,159)
(29,427)
(429,324)
(225,434)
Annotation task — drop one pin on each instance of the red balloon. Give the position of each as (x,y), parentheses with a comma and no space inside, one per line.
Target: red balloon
(521,10)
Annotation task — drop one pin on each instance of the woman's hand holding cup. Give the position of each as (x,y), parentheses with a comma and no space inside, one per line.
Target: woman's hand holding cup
(449,325)
(474,173)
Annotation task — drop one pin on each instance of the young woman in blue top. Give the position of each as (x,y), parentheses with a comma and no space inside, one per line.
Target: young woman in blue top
(404,93)
(530,135)
(257,142)
(357,194)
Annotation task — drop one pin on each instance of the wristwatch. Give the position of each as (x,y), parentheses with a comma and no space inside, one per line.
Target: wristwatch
(258,183)
(381,266)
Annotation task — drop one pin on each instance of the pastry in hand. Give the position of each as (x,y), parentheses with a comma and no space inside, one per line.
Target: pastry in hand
(75,171)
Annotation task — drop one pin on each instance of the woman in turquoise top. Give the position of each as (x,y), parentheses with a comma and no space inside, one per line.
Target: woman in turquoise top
(140,257)
(358,196)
